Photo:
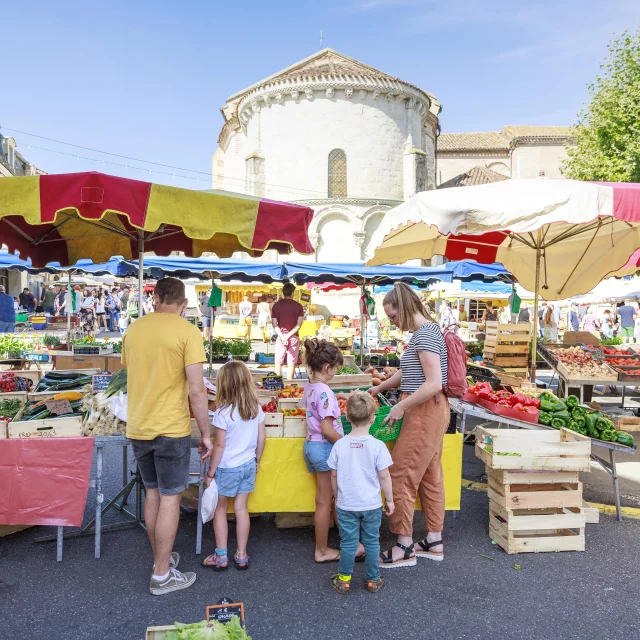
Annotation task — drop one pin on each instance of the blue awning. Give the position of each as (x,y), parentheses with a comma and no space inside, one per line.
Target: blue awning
(359,274)
(472,270)
(115,266)
(489,287)
(206,268)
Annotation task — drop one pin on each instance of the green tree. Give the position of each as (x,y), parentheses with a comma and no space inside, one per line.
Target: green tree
(607,134)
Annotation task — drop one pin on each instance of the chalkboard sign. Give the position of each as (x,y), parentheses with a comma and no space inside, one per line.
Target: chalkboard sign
(100,382)
(225,610)
(273,383)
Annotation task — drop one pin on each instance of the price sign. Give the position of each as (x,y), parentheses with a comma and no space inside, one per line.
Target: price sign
(597,355)
(59,407)
(273,383)
(100,382)
(225,610)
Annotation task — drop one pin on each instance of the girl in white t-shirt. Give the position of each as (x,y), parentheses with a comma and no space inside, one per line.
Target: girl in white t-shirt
(239,443)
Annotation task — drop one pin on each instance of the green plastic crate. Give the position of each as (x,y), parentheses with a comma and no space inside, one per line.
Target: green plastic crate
(378,430)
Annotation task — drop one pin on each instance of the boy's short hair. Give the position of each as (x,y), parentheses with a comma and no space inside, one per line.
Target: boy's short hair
(360,407)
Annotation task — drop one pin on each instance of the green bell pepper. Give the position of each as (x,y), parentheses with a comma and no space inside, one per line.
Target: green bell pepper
(608,436)
(545,418)
(572,401)
(547,405)
(556,423)
(579,411)
(547,396)
(604,424)
(624,438)
(560,405)
(562,415)
(580,421)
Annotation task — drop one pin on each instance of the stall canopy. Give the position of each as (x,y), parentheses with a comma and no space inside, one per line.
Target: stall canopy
(470,270)
(115,266)
(206,268)
(358,274)
(11,261)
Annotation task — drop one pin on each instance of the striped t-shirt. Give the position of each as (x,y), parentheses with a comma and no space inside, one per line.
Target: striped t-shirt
(427,338)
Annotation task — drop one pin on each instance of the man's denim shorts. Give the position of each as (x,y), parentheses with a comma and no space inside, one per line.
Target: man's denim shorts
(316,455)
(164,463)
(234,480)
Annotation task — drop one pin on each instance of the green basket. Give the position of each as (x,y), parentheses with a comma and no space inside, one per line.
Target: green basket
(378,430)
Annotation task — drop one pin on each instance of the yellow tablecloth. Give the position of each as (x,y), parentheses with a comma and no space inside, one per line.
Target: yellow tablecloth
(284,484)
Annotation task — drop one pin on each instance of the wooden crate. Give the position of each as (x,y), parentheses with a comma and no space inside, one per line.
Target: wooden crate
(19,395)
(295,427)
(274,431)
(537,530)
(69,361)
(351,380)
(273,419)
(34,395)
(561,450)
(69,427)
(288,403)
(531,476)
(628,423)
(507,345)
(534,496)
(34,376)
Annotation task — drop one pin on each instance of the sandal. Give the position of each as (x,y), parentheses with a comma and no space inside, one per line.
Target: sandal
(242,564)
(329,561)
(407,560)
(216,562)
(423,550)
(373,586)
(340,586)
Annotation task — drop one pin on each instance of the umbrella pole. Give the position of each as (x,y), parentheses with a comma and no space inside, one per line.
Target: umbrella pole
(69,299)
(140,271)
(363,325)
(536,302)
(211,322)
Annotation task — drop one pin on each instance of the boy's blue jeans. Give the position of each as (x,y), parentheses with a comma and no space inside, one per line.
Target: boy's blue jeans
(356,526)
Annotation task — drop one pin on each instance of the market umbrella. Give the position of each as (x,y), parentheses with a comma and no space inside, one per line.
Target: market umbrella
(68,217)
(558,238)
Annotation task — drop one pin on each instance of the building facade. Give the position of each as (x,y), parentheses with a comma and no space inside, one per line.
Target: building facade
(332,133)
(514,152)
(12,163)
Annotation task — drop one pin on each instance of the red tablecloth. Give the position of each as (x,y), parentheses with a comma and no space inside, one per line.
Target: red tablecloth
(44,481)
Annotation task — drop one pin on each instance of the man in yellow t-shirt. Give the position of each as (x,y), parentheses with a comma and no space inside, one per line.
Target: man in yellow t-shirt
(163,355)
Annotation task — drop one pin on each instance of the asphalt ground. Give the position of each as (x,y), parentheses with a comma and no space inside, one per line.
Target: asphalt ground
(566,595)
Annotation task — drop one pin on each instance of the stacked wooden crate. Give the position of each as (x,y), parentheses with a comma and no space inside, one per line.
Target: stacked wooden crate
(535,494)
(507,346)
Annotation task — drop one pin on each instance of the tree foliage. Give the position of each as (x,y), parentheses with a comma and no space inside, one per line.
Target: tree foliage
(607,134)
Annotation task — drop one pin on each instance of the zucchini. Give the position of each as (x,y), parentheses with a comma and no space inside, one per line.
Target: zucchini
(57,375)
(40,416)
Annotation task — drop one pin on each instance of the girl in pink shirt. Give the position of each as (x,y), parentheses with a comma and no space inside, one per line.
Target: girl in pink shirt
(323,429)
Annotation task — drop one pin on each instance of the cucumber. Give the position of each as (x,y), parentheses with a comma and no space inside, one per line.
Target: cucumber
(41,415)
(55,375)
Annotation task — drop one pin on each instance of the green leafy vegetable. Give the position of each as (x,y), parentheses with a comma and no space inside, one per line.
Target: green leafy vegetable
(347,370)
(213,630)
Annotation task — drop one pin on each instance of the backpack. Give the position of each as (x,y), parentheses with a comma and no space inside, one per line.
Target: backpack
(457,364)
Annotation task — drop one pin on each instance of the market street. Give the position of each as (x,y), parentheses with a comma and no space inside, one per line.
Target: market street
(287,596)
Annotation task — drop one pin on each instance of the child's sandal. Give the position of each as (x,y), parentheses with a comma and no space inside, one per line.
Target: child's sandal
(340,586)
(374,586)
(216,562)
(242,564)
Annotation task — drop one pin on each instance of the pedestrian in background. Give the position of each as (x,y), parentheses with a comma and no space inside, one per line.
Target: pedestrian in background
(7,312)
(627,318)
(49,300)
(550,325)
(573,320)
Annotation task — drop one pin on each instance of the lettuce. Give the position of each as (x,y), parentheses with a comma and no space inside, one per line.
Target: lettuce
(213,630)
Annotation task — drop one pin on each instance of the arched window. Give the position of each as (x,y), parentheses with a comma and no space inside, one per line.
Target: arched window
(337,174)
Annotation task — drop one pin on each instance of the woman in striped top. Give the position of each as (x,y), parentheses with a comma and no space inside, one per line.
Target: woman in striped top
(417,455)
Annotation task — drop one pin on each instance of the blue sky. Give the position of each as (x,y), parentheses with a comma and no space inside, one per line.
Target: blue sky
(147,80)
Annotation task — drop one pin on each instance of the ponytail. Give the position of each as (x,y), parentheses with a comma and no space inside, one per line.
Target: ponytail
(319,353)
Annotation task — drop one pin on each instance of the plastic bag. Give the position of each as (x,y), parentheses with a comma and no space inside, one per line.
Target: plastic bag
(119,406)
(209,502)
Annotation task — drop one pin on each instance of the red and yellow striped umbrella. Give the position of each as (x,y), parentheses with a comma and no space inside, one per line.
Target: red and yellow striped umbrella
(66,217)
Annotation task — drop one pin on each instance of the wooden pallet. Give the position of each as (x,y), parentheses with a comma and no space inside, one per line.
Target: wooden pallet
(537,530)
(547,450)
(507,345)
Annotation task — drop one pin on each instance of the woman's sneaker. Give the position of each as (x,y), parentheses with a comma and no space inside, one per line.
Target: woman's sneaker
(175,581)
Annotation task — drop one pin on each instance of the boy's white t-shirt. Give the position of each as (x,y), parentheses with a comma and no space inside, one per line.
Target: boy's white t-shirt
(358,461)
(242,436)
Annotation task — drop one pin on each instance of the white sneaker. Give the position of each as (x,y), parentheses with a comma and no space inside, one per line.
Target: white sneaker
(175,581)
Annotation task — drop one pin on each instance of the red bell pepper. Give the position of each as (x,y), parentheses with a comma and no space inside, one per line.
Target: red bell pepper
(518,398)
(531,409)
(536,402)
(504,403)
(518,406)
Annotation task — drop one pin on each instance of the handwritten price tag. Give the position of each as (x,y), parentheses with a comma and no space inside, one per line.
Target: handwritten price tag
(59,407)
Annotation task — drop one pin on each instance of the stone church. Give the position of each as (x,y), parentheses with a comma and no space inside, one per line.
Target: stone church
(351,142)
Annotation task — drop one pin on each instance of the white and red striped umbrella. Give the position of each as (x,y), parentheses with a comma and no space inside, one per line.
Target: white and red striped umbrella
(571,234)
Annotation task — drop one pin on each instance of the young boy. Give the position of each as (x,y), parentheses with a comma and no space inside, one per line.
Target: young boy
(359,467)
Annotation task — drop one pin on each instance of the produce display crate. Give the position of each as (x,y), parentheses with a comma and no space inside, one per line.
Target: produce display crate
(537,530)
(88,350)
(294,427)
(351,380)
(273,419)
(572,380)
(274,431)
(34,376)
(507,345)
(288,403)
(67,427)
(482,374)
(561,450)
(621,373)
(551,494)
